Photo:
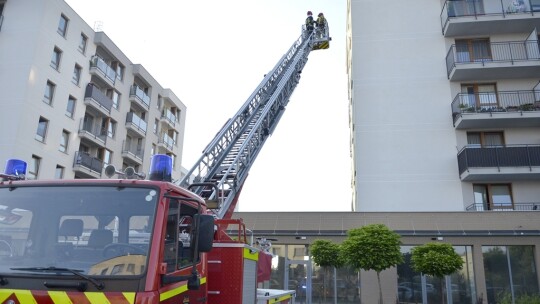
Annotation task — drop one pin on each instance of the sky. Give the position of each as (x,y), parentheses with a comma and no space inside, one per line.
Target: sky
(213,54)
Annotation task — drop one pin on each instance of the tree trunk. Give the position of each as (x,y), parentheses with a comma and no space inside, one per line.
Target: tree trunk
(443,298)
(380,288)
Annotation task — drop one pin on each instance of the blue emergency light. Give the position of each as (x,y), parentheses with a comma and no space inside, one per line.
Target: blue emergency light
(161,168)
(15,169)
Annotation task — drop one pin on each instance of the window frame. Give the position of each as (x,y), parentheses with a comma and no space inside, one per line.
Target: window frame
(63,26)
(50,88)
(83,43)
(64,141)
(56,58)
(41,137)
(489,204)
(77,72)
(73,104)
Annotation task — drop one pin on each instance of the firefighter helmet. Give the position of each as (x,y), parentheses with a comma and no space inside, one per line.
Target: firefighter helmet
(309,13)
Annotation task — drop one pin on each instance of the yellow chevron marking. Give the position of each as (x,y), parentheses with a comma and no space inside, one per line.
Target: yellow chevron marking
(130,296)
(251,255)
(97,297)
(174,292)
(60,297)
(25,296)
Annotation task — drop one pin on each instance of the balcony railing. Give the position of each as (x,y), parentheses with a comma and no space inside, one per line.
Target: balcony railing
(167,141)
(132,149)
(103,100)
(479,8)
(94,131)
(503,101)
(136,122)
(101,65)
(85,160)
(505,207)
(140,95)
(496,52)
(167,114)
(498,156)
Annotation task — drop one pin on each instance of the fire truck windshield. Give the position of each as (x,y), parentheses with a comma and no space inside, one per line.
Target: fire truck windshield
(98,230)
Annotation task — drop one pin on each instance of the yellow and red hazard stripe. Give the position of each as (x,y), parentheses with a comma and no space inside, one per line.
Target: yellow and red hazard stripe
(18,296)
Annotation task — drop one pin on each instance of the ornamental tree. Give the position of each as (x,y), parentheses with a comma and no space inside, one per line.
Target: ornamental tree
(372,247)
(326,254)
(437,260)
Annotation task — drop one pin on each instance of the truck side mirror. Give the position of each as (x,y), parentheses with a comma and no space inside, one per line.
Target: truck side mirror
(205,232)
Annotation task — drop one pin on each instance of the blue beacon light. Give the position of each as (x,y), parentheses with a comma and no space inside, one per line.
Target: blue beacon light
(15,169)
(161,168)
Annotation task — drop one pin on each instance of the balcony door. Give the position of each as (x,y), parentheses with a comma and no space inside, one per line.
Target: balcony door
(473,50)
(493,197)
(481,96)
(485,139)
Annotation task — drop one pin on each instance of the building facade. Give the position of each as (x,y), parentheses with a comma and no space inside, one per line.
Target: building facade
(445,116)
(72,101)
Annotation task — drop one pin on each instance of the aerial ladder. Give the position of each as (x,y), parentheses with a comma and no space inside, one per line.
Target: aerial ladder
(220,173)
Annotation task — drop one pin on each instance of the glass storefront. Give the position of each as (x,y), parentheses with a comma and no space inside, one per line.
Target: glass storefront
(413,287)
(510,274)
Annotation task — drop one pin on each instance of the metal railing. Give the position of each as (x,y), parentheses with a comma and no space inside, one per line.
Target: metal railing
(502,101)
(535,206)
(88,127)
(169,116)
(482,53)
(140,95)
(103,100)
(136,121)
(498,156)
(132,149)
(166,140)
(477,8)
(101,65)
(85,160)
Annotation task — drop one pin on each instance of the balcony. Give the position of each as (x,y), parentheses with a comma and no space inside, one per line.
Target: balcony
(93,133)
(97,99)
(86,166)
(505,207)
(139,97)
(499,163)
(132,153)
(496,109)
(101,69)
(135,125)
(166,142)
(491,61)
(487,17)
(169,117)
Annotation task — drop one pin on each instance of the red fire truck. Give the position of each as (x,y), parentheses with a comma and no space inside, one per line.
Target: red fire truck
(128,239)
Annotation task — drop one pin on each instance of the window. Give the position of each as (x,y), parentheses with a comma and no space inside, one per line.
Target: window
(153,150)
(480,96)
(82,43)
(473,50)
(105,155)
(55,59)
(118,69)
(59,172)
(159,101)
(33,167)
(42,129)
(49,93)
(115,97)
(510,273)
(64,140)
(62,25)
(108,126)
(485,139)
(177,253)
(76,74)
(156,123)
(70,109)
(493,196)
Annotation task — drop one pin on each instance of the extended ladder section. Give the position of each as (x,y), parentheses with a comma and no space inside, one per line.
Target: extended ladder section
(219,174)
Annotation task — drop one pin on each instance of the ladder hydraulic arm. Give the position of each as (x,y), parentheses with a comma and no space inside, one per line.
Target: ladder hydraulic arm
(219,174)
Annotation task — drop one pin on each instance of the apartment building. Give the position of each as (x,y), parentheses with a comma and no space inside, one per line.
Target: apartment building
(72,102)
(445,120)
